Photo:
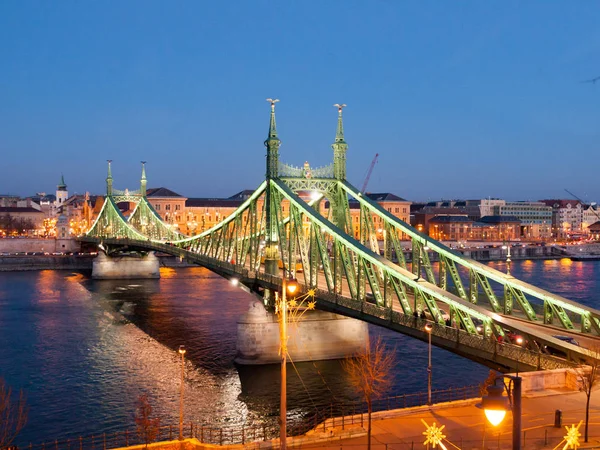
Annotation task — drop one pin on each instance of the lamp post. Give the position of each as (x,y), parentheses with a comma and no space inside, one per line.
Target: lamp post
(429,329)
(182,353)
(291,286)
(495,405)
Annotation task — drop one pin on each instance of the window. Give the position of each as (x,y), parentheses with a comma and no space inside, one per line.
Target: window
(157,207)
(396,210)
(177,207)
(167,207)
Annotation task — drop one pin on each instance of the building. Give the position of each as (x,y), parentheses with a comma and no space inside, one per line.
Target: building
(450,228)
(594,231)
(500,228)
(421,218)
(567,217)
(590,215)
(535,217)
(20,221)
(61,193)
(486,206)
(169,205)
(203,213)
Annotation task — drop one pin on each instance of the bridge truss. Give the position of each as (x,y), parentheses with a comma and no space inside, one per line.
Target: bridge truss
(275,233)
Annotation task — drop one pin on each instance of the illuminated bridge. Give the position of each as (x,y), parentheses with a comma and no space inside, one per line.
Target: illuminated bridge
(275,233)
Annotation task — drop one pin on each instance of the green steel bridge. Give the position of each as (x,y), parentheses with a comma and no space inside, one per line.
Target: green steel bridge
(276,234)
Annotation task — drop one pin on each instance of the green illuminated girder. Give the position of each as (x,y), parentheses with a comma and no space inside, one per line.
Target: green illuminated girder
(458,284)
(393,241)
(465,320)
(432,307)
(148,222)
(364,263)
(523,303)
(427,264)
(517,289)
(443,276)
(110,223)
(489,292)
(348,265)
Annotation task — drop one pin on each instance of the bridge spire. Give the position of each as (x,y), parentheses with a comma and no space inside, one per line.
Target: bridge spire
(109,180)
(272,143)
(339,147)
(143,181)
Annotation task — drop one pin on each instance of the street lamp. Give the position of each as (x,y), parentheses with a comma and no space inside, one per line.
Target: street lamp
(290,286)
(182,353)
(429,329)
(495,405)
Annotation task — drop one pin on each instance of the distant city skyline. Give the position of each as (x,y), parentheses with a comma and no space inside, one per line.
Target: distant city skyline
(469,100)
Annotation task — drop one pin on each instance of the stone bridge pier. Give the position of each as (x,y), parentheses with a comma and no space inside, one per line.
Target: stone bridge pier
(129,266)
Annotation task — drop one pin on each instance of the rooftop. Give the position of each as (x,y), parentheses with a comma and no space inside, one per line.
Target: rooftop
(161,192)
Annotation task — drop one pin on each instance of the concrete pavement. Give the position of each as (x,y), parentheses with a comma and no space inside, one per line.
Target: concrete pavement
(465,426)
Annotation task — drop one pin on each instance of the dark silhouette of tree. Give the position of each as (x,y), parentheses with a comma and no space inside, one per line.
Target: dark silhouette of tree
(147,426)
(588,376)
(489,381)
(370,374)
(13,414)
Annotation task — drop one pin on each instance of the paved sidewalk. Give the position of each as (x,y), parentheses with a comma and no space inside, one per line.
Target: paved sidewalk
(466,427)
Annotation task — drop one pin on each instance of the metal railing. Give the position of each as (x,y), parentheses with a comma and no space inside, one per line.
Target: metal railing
(335,416)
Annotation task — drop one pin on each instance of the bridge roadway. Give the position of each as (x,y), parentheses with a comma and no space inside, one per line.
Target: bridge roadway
(500,356)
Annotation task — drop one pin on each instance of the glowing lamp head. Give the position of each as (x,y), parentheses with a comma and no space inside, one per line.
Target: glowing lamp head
(495,416)
(495,404)
(428,327)
(235,281)
(182,350)
(519,340)
(292,287)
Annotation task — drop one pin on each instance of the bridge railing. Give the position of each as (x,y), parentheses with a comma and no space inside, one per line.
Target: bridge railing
(453,337)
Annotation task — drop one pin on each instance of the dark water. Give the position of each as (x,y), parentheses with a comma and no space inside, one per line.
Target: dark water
(63,340)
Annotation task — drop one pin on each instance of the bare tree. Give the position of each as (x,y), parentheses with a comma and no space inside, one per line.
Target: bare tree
(13,414)
(370,374)
(489,381)
(588,376)
(147,426)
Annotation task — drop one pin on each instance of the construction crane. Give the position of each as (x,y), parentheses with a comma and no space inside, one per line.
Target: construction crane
(369,172)
(583,203)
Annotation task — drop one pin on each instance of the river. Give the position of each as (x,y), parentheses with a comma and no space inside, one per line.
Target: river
(85,350)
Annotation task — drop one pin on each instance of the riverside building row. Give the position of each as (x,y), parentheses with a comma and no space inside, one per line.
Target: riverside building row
(452,220)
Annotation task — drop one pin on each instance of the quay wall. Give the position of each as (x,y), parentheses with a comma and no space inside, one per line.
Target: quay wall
(45,262)
(318,335)
(499,254)
(15,263)
(38,245)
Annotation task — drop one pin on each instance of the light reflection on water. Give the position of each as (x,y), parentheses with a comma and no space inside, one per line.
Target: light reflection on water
(83,366)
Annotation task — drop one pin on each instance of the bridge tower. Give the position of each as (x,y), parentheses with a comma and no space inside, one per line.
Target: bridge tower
(109,180)
(271,235)
(143,181)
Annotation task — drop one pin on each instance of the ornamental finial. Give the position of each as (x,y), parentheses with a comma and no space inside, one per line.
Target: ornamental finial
(143,170)
(272,124)
(340,107)
(339,134)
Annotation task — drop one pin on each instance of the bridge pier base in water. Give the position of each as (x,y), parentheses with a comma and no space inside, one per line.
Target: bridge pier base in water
(106,267)
(317,335)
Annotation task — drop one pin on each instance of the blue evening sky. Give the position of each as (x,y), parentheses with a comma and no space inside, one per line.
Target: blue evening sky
(461,99)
